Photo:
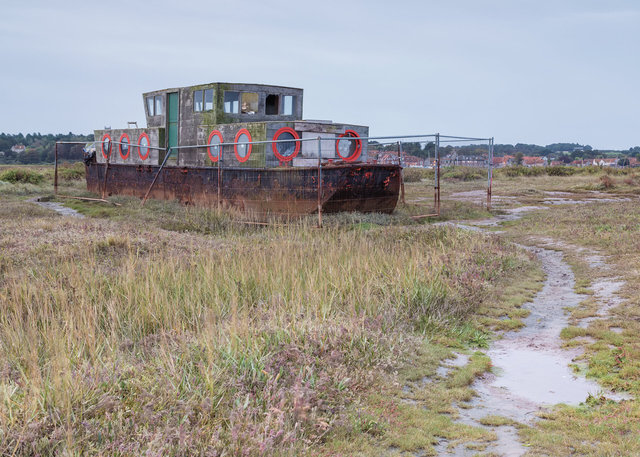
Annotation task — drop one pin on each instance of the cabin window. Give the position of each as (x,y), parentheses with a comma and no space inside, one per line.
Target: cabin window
(286,150)
(197,100)
(106,145)
(349,149)
(287,106)
(208,99)
(243,146)
(213,149)
(154,105)
(249,103)
(124,146)
(158,100)
(272,103)
(143,146)
(203,100)
(231,102)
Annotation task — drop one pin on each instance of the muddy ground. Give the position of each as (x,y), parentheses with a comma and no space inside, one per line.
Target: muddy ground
(531,370)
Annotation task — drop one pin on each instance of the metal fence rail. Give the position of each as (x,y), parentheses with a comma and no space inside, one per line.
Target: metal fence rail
(223,147)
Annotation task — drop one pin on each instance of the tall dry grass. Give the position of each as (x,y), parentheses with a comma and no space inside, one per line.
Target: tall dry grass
(122,347)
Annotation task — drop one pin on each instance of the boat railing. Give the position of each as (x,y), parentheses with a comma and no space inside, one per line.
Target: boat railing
(245,150)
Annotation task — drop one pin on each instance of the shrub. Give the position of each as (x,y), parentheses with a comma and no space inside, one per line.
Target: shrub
(417,174)
(20,175)
(607,182)
(561,171)
(519,170)
(464,173)
(71,172)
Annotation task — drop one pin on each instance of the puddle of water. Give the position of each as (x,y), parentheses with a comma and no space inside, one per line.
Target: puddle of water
(509,446)
(540,377)
(566,198)
(459,361)
(58,208)
(512,214)
(606,291)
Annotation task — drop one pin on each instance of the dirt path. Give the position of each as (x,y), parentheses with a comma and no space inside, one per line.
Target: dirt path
(531,370)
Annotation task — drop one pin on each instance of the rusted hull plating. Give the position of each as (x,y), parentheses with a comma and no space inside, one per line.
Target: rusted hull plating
(357,187)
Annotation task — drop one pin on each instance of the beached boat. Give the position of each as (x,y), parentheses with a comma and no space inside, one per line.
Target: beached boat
(243,146)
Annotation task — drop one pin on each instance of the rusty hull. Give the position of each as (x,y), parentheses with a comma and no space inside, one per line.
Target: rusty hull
(292,190)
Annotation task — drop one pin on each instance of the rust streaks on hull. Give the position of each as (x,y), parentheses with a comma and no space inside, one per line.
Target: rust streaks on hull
(366,187)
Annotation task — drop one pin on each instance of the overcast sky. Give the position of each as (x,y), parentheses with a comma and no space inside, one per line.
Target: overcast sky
(537,71)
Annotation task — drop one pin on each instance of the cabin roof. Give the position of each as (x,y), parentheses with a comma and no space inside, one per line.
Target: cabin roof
(254,85)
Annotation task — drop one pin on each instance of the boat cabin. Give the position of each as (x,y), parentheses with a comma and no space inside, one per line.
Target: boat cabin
(193,121)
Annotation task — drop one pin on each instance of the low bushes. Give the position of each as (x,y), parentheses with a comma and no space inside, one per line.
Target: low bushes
(71,172)
(20,175)
(464,173)
(417,174)
(561,171)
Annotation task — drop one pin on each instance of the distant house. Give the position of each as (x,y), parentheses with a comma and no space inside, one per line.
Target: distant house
(504,161)
(455,159)
(383,157)
(391,158)
(534,161)
(602,162)
(413,161)
(18,148)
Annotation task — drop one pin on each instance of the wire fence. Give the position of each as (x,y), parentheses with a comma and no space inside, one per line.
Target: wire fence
(320,155)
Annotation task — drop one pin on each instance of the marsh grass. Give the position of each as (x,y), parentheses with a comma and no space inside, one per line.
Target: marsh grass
(178,331)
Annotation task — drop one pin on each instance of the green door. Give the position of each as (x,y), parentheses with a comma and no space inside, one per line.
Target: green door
(172,121)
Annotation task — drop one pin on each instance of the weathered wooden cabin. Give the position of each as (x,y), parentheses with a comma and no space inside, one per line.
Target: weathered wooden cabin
(214,113)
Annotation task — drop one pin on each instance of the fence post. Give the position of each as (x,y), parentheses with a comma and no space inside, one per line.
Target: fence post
(490,174)
(436,196)
(401,172)
(319,183)
(219,178)
(55,172)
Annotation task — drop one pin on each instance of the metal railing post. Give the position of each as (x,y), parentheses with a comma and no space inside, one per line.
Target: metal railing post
(319,183)
(436,195)
(55,171)
(219,178)
(490,174)
(401,172)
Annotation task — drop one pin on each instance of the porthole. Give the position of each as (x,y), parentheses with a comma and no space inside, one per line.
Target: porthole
(349,146)
(124,146)
(243,148)
(287,150)
(105,147)
(213,148)
(143,146)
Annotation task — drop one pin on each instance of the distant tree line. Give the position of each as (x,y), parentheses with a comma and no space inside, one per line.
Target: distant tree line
(565,152)
(40,148)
